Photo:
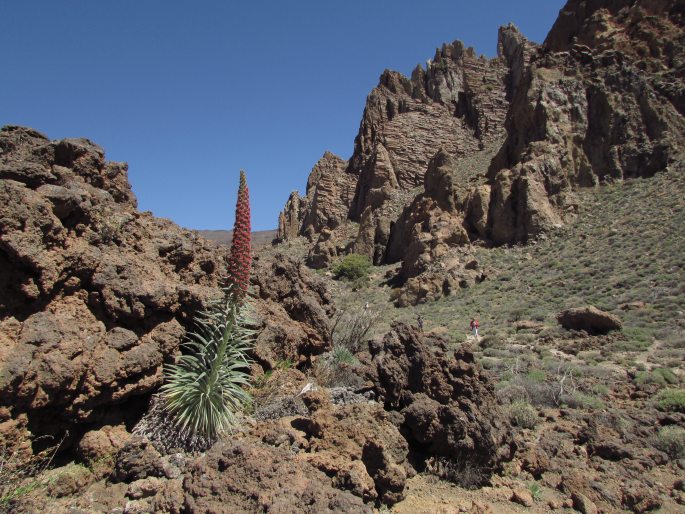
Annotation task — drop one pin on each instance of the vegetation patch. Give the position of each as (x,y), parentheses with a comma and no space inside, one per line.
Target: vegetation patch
(353,267)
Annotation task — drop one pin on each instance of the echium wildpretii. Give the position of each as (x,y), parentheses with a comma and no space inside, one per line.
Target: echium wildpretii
(207,386)
(240,260)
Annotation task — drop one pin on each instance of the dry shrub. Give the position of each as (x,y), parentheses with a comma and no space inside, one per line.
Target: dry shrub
(463,473)
(20,469)
(337,368)
(523,414)
(350,329)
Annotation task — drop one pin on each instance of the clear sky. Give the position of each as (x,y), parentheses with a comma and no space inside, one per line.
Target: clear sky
(188,93)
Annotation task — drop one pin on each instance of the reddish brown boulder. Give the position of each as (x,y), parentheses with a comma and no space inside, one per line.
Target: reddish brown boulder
(448,403)
(589,318)
(360,447)
(103,443)
(244,477)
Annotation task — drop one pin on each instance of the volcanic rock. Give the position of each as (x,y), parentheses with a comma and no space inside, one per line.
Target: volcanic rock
(431,224)
(294,306)
(589,318)
(448,404)
(603,100)
(458,103)
(95,297)
(94,294)
(330,190)
(360,447)
(245,477)
(289,218)
(324,252)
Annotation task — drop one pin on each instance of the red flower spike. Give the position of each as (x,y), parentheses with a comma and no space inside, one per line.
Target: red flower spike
(240,260)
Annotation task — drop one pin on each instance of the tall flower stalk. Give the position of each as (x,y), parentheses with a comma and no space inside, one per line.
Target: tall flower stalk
(206,386)
(240,260)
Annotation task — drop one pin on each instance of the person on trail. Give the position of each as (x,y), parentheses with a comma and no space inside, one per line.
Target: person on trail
(474,327)
(419,322)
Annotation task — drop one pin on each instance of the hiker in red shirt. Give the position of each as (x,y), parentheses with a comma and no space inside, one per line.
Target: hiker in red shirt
(474,327)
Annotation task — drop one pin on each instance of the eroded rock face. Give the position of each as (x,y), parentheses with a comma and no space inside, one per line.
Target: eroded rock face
(95,297)
(330,189)
(457,103)
(432,223)
(247,477)
(602,101)
(294,306)
(448,404)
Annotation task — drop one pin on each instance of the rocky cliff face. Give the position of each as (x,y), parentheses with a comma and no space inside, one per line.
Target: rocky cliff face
(325,206)
(603,100)
(458,103)
(95,296)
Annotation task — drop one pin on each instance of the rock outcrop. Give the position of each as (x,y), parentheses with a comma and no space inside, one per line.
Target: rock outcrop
(589,318)
(330,190)
(360,447)
(458,103)
(95,297)
(447,403)
(603,100)
(245,477)
(294,307)
(432,223)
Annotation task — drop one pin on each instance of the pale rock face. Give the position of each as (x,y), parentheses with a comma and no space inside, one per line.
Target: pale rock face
(325,206)
(458,103)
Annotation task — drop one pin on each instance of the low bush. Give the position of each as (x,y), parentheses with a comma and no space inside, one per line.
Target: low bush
(671,400)
(659,376)
(523,414)
(535,491)
(671,440)
(350,328)
(21,472)
(337,368)
(579,400)
(353,267)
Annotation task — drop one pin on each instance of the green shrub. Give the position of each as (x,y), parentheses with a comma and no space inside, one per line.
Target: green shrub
(671,400)
(353,267)
(535,491)
(342,355)
(536,375)
(337,368)
(659,376)
(671,440)
(523,414)
(600,389)
(582,401)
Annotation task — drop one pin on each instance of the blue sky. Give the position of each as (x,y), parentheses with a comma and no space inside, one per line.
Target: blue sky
(188,93)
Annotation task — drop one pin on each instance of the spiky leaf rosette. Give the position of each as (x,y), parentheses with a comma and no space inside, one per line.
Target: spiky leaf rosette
(205,388)
(240,260)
